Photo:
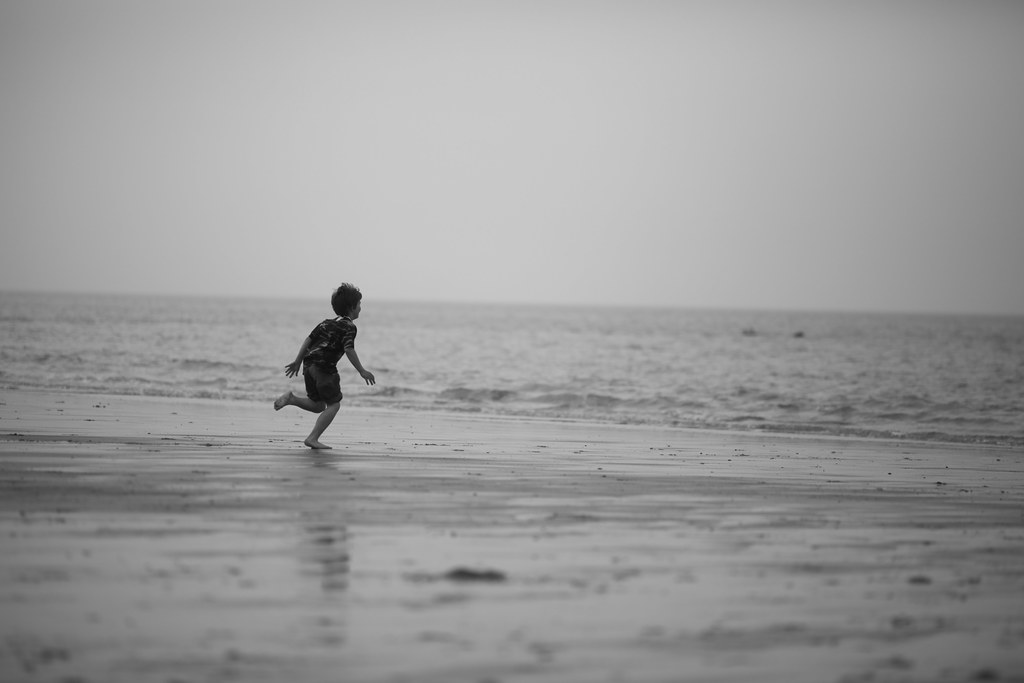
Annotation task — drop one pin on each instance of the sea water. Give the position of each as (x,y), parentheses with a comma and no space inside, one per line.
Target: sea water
(932,377)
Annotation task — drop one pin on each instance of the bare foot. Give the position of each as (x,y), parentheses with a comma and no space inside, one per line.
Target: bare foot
(283,400)
(316,445)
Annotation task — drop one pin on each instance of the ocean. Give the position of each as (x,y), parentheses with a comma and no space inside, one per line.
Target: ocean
(923,377)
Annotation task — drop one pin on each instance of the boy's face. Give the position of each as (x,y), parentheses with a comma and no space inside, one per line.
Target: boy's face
(354,313)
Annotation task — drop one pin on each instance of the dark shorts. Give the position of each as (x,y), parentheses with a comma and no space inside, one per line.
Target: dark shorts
(322,385)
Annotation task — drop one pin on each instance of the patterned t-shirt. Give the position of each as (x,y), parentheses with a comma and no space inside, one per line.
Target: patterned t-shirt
(328,342)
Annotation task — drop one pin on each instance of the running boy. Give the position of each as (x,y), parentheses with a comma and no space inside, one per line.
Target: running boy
(319,356)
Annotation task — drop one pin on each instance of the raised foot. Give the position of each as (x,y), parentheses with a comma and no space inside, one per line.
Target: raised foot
(283,400)
(316,445)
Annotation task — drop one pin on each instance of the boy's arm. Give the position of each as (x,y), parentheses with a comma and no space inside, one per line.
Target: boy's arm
(292,368)
(353,358)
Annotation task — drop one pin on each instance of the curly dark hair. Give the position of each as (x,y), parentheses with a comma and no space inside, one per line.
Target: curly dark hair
(345,298)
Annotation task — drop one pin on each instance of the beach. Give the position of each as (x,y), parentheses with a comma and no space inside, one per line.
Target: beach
(166,539)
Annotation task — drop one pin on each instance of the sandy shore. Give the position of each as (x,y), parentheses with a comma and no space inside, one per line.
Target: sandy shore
(187,541)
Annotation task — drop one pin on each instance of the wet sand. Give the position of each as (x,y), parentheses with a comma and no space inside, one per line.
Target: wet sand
(187,541)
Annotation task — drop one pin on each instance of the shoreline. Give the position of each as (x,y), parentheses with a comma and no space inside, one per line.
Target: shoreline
(806,431)
(156,539)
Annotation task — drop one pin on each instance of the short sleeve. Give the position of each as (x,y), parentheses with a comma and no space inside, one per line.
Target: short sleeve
(348,340)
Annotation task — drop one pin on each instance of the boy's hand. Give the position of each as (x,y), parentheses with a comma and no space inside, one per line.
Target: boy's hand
(292,368)
(368,376)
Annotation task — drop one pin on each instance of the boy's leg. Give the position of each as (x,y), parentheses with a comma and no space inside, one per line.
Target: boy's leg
(322,423)
(314,401)
(290,399)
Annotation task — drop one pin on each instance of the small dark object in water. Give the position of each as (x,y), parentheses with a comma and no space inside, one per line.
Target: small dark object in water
(749,332)
(464,574)
(798,334)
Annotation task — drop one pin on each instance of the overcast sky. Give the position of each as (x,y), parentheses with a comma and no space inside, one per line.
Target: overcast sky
(826,155)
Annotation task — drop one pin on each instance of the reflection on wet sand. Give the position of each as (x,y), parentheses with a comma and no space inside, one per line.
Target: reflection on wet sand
(325,555)
(325,548)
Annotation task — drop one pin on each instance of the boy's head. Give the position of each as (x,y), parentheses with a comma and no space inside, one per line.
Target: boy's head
(346,298)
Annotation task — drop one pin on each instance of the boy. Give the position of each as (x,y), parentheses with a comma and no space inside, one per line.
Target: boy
(319,356)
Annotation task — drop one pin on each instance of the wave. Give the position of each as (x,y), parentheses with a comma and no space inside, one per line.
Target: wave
(397,392)
(574,400)
(478,395)
(42,358)
(206,365)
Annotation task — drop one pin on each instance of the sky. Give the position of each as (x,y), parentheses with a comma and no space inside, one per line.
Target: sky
(820,155)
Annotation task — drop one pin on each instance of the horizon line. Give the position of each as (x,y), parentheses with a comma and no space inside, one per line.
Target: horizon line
(738,308)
